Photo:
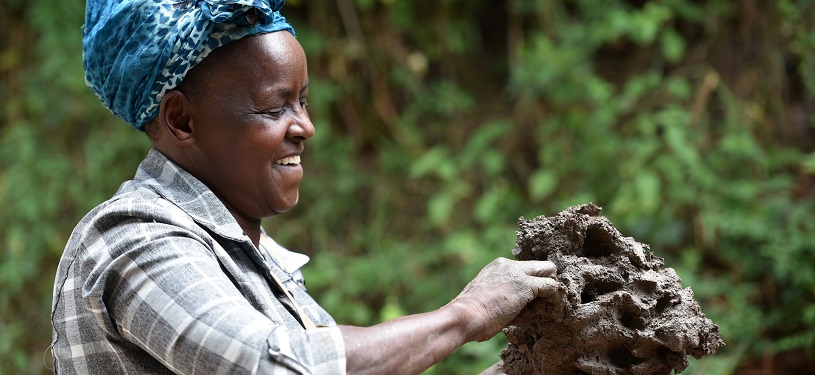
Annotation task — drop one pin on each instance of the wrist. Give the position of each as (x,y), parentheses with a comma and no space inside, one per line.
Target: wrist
(464,320)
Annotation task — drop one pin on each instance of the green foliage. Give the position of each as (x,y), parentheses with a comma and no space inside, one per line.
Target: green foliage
(437,127)
(60,155)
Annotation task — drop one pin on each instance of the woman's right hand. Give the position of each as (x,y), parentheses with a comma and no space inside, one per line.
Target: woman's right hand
(499,292)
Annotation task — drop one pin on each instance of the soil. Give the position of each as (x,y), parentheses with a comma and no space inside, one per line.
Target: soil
(617,311)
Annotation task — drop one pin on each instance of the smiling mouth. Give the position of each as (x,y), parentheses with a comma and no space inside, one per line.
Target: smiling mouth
(291,160)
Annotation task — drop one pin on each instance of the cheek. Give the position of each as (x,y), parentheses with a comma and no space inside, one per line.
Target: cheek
(247,143)
(262,133)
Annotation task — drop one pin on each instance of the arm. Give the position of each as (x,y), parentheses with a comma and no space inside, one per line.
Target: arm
(406,345)
(411,344)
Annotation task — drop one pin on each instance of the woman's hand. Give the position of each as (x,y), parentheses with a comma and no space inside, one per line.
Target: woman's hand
(411,344)
(500,291)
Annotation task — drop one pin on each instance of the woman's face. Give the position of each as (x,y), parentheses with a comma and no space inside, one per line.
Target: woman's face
(248,110)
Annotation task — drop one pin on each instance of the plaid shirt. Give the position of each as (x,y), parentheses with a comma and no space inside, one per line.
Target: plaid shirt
(161,279)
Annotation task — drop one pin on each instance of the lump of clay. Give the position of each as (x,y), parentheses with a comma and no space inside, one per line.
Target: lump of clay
(616,312)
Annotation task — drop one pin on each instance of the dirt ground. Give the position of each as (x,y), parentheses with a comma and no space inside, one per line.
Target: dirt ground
(618,310)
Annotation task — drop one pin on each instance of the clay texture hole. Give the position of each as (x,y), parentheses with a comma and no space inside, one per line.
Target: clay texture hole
(598,288)
(631,321)
(663,304)
(622,357)
(598,243)
(663,352)
(647,286)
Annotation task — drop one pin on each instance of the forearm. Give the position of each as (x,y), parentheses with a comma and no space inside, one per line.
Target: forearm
(406,345)
(411,344)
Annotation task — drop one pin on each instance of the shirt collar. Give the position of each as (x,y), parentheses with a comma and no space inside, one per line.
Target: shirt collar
(188,193)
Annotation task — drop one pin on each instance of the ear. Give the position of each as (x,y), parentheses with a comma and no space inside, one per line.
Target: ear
(175,116)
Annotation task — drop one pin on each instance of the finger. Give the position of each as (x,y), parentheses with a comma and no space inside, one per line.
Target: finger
(544,286)
(495,369)
(539,268)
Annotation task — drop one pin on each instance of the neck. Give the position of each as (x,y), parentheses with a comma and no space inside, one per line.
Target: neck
(251,227)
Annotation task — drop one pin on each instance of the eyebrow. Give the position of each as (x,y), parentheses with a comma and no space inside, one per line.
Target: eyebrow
(285,91)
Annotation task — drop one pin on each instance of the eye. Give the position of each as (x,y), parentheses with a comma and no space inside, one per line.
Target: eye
(275,113)
(303,104)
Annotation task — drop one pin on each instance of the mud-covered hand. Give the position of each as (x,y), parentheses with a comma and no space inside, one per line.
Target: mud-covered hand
(500,291)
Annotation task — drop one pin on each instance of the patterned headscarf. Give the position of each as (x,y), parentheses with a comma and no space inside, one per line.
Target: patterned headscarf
(134,51)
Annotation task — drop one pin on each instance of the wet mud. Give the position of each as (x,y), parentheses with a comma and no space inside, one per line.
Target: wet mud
(617,311)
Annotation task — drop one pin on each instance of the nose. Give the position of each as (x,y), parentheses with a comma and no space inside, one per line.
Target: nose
(301,129)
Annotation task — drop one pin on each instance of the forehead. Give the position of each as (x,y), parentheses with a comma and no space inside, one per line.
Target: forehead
(279,48)
(258,58)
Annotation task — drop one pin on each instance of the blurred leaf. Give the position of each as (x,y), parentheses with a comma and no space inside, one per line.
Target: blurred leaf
(542,183)
(672,45)
(439,125)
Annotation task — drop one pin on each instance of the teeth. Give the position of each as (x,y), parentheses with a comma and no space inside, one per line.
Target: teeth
(289,160)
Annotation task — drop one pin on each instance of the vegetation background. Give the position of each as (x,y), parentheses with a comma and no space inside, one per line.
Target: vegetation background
(440,123)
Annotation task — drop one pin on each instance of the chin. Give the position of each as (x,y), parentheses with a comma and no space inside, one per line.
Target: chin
(287,205)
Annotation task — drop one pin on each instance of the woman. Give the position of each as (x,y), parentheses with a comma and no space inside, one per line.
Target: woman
(174,273)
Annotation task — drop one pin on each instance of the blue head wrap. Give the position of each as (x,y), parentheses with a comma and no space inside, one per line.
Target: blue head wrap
(134,51)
